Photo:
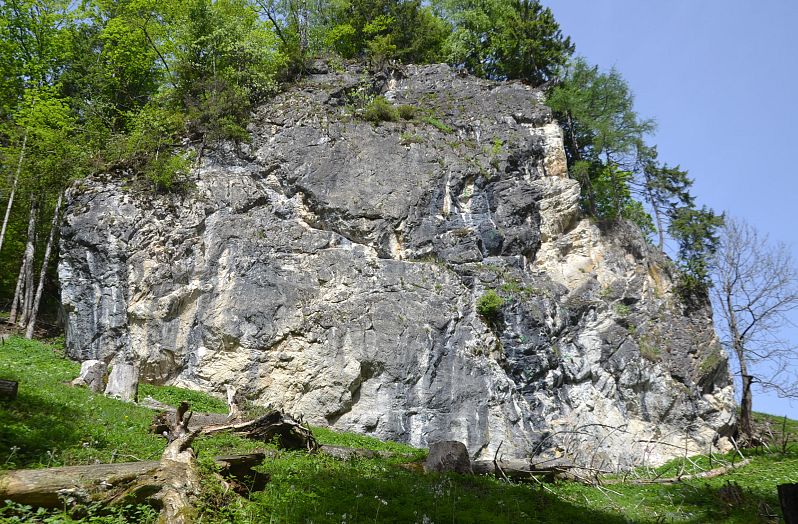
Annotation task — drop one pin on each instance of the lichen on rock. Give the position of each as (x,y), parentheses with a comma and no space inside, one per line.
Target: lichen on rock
(332,268)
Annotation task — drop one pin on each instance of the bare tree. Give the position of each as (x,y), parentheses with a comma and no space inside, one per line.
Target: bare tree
(755,288)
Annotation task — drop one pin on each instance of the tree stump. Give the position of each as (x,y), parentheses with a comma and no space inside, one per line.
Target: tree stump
(788,497)
(8,389)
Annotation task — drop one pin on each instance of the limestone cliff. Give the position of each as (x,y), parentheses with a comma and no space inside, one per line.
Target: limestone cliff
(332,268)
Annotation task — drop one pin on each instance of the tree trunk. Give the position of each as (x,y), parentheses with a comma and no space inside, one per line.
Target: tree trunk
(788,498)
(746,407)
(13,191)
(19,304)
(39,289)
(28,302)
(746,402)
(12,317)
(657,214)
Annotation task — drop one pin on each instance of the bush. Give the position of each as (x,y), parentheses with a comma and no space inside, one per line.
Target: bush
(380,110)
(489,305)
(407,112)
(167,172)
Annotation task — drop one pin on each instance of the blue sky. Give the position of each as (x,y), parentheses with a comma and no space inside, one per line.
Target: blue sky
(720,79)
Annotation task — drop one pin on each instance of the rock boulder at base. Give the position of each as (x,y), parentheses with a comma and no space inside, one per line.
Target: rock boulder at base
(446,456)
(92,375)
(123,382)
(332,268)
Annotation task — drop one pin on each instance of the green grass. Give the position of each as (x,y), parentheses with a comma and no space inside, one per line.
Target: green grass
(200,402)
(52,424)
(440,126)
(380,110)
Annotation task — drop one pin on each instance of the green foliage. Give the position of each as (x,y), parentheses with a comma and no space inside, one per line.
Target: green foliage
(490,305)
(95,513)
(167,171)
(380,110)
(606,150)
(409,138)
(696,231)
(407,112)
(622,310)
(711,362)
(506,40)
(385,30)
(225,59)
(603,135)
(437,124)
(612,197)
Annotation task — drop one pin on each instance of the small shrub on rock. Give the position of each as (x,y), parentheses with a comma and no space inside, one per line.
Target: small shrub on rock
(380,110)
(490,305)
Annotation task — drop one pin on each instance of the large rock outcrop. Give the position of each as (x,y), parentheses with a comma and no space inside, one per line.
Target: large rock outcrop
(332,268)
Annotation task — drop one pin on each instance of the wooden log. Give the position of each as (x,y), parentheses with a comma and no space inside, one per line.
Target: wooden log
(518,470)
(97,482)
(8,389)
(788,498)
(712,473)
(46,487)
(278,426)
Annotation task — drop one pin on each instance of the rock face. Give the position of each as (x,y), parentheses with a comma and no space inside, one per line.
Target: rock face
(332,269)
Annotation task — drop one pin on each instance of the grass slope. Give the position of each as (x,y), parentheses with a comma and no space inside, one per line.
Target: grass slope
(54,424)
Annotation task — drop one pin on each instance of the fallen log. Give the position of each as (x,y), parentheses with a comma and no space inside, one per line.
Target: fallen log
(674,480)
(272,427)
(100,482)
(518,470)
(275,426)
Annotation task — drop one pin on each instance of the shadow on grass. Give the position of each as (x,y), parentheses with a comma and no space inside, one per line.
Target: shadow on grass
(329,491)
(33,428)
(722,501)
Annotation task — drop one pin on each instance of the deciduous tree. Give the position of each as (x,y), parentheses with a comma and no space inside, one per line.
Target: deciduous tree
(755,290)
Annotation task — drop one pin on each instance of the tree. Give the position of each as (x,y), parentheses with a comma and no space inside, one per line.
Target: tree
(603,136)
(226,58)
(696,232)
(755,289)
(381,30)
(506,39)
(664,188)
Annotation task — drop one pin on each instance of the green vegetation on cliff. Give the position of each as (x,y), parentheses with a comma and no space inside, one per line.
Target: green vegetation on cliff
(53,424)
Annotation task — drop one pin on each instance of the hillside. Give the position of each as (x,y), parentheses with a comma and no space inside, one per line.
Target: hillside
(53,424)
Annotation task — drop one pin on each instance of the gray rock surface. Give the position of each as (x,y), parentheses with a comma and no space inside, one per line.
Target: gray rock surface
(92,375)
(448,456)
(331,269)
(123,382)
